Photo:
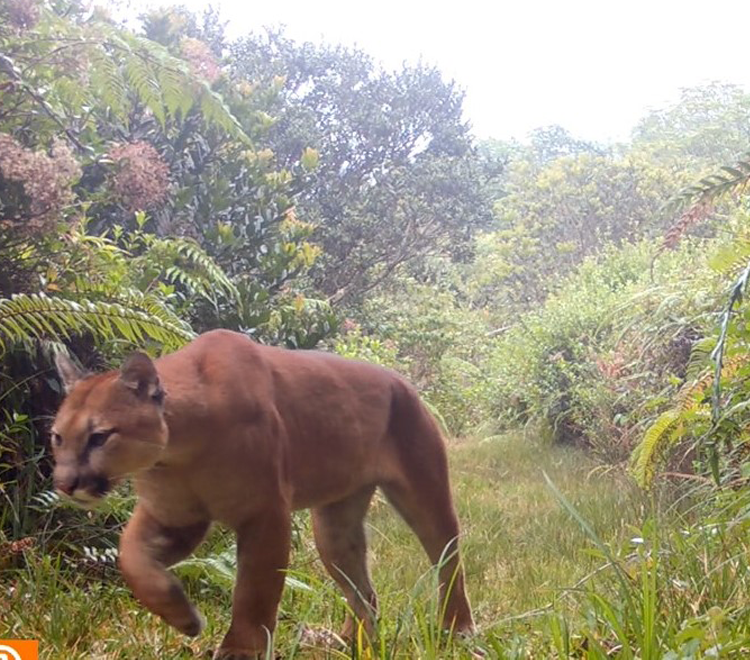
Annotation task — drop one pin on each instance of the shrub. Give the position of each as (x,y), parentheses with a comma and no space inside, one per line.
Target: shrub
(606,349)
(435,341)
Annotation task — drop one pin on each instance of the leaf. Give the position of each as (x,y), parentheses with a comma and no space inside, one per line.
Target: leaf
(215,111)
(143,80)
(310,158)
(653,446)
(27,317)
(107,82)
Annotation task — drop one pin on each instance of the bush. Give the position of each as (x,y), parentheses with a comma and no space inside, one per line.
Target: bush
(437,343)
(607,349)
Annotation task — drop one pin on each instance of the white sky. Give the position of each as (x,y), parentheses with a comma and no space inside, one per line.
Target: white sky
(593,67)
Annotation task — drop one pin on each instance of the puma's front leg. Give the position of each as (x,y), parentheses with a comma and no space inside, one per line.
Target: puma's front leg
(147,548)
(262,558)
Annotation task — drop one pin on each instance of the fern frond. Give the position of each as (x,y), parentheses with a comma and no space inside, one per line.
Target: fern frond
(695,202)
(172,83)
(108,83)
(215,111)
(165,83)
(26,317)
(183,88)
(700,356)
(221,568)
(186,263)
(694,392)
(663,432)
(726,180)
(653,446)
(213,273)
(144,81)
(730,258)
(130,298)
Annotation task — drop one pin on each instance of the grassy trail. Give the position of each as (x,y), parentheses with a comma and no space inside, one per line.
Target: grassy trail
(521,551)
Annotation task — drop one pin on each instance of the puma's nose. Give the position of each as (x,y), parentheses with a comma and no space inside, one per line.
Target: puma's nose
(66,483)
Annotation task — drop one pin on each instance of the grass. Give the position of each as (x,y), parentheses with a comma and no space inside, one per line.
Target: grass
(541,585)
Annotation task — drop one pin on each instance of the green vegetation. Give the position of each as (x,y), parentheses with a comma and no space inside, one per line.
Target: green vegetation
(542,584)
(571,312)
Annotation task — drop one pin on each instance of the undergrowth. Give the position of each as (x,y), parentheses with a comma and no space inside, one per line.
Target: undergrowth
(563,559)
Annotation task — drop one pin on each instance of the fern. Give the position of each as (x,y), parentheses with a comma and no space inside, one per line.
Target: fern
(699,357)
(108,83)
(695,202)
(210,270)
(671,426)
(26,317)
(172,86)
(730,258)
(215,111)
(142,78)
(123,68)
(654,445)
(147,303)
(191,266)
(220,569)
(726,180)
(182,88)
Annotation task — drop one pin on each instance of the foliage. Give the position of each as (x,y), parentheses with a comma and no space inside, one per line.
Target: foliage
(93,72)
(709,412)
(675,590)
(605,349)
(603,572)
(398,177)
(706,126)
(698,200)
(157,183)
(431,338)
(557,214)
(136,208)
(33,316)
(153,134)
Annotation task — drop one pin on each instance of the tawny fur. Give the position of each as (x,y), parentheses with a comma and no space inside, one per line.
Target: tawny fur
(228,430)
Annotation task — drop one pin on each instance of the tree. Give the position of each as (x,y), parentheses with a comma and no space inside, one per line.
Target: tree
(570,208)
(161,128)
(707,126)
(137,206)
(398,177)
(549,143)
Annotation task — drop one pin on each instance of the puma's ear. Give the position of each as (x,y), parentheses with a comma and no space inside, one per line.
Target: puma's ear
(139,374)
(70,373)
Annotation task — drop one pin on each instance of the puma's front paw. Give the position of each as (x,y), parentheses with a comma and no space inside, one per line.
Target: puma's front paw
(238,654)
(193,625)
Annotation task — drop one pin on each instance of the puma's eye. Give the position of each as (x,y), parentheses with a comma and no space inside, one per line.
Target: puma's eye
(99,438)
(56,439)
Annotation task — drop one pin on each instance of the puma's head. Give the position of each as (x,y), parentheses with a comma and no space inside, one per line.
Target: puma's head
(110,425)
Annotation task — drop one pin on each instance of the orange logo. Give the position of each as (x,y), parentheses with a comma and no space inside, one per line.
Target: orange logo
(16,649)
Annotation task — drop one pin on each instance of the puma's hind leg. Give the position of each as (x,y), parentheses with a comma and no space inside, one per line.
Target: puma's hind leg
(147,549)
(430,513)
(416,481)
(340,537)
(419,489)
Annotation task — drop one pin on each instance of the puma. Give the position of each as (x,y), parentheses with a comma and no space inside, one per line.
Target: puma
(229,430)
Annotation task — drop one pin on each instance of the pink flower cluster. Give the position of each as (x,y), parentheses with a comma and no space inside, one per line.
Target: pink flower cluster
(141,180)
(34,186)
(22,14)
(202,61)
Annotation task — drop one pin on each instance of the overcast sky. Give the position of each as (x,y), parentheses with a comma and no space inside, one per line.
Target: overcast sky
(594,67)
